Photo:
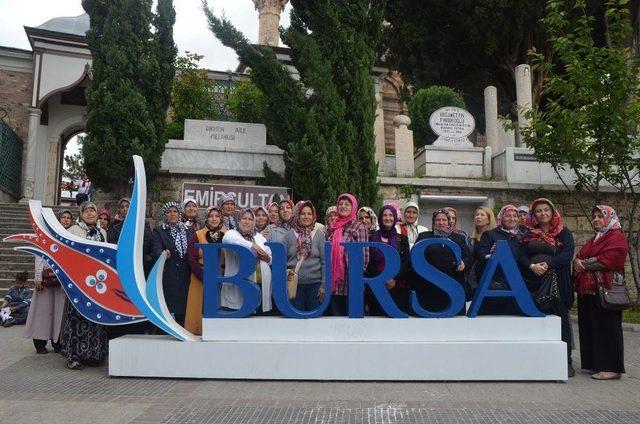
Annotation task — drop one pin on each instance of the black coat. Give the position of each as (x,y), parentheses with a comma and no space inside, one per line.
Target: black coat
(113,236)
(177,272)
(432,297)
(483,248)
(560,263)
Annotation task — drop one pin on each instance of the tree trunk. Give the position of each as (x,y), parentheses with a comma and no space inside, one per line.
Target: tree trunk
(634,258)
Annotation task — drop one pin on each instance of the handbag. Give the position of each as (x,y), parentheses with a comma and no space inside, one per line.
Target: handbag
(292,274)
(548,294)
(49,278)
(617,297)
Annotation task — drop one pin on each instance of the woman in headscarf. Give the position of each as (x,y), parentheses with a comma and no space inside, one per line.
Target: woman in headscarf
(262,220)
(601,262)
(47,304)
(508,230)
(408,226)
(104,219)
(368,217)
(84,342)
(285,214)
(213,232)
(172,237)
(273,211)
(330,215)
(397,286)
(432,298)
(190,214)
(345,228)
(245,235)
(305,256)
(227,203)
(547,252)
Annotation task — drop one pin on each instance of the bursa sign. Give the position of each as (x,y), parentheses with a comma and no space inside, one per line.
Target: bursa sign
(107,285)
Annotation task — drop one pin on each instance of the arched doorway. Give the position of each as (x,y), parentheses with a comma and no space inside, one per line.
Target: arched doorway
(70,166)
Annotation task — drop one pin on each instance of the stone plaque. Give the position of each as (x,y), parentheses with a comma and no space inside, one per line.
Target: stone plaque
(229,134)
(247,196)
(453,126)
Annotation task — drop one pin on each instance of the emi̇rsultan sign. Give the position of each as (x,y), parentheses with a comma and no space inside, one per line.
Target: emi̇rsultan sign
(247,196)
(107,285)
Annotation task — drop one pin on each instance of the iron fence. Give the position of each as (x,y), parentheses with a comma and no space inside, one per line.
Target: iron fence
(10,160)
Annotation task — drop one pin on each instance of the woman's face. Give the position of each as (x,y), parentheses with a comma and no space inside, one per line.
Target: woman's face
(262,219)
(410,215)
(522,215)
(104,221)
(66,219)
(481,218)
(228,207)
(543,213)
(344,207)
(510,220)
(597,220)
(286,211)
(365,219)
(191,210)
(173,215)
(454,218)
(387,219)
(90,216)
(306,216)
(214,219)
(273,214)
(246,222)
(441,221)
(331,216)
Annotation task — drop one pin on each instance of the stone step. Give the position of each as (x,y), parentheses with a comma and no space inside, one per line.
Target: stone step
(10,274)
(16,257)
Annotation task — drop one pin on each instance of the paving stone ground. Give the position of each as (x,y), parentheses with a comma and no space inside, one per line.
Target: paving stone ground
(37,388)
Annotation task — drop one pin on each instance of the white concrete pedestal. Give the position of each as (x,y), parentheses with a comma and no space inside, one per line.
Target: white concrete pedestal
(331,348)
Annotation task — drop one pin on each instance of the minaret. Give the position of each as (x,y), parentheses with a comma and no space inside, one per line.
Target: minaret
(269,19)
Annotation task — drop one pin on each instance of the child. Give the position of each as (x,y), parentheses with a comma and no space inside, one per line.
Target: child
(15,306)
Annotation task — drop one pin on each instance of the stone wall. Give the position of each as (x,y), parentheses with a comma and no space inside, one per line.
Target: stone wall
(15,97)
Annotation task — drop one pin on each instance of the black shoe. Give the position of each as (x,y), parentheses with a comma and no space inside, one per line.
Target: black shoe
(571,371)
(42,351)
(8,323)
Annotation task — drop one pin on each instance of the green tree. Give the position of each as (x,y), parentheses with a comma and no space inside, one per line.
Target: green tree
(245,102)
(589,122)
(324,121)
(193,96)
(73,167)
(422,104)
(131,78)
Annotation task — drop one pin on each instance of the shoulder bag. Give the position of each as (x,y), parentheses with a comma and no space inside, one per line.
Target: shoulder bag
(617,297)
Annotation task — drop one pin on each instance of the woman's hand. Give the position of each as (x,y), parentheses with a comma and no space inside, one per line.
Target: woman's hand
(389,284)
(265,232)
(460,267)
(578,265)
(262,254)
(39,286)
(321,293)
(168,252)
(539,269)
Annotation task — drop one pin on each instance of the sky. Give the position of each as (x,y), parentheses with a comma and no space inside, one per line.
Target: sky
(190,31)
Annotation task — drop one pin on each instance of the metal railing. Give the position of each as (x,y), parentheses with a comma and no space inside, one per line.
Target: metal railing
(10,160)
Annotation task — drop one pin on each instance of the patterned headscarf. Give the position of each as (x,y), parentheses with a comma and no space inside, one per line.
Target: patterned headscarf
(611,221)
(62,212)
(252,231)
(228,221)
(337,250)
(92,231)
(286,224)
(303,233)
(502,213)
(372,217)
(444,233)
(535,232)
(178,231)
(330,210)
(387,233)
(104,211)
(255,211)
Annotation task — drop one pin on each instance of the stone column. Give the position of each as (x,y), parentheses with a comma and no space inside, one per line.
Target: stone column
(378,131)
(404,146)
(524,97)
(491,117)
(269,21)
(29,171)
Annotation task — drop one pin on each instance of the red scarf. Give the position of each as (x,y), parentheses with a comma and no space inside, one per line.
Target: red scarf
(536,233)
(611,251)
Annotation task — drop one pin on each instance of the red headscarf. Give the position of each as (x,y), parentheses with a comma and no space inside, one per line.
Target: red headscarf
(535,232)
(337,250)
(610,248)
(502,213)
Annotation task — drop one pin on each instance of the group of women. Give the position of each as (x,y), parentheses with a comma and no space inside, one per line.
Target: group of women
(542,246)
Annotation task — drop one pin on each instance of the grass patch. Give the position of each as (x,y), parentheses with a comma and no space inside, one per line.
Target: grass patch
(631,316)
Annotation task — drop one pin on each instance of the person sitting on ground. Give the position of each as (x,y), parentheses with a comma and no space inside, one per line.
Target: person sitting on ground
(83,187)
(15,306)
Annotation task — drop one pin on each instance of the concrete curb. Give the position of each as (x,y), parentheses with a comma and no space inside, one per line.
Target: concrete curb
(626,326)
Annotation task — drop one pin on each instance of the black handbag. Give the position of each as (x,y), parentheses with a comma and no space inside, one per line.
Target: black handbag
(617,297)
(548,294)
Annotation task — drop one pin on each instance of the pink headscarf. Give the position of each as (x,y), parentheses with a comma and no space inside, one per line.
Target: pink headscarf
(337,250)
(502,213)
